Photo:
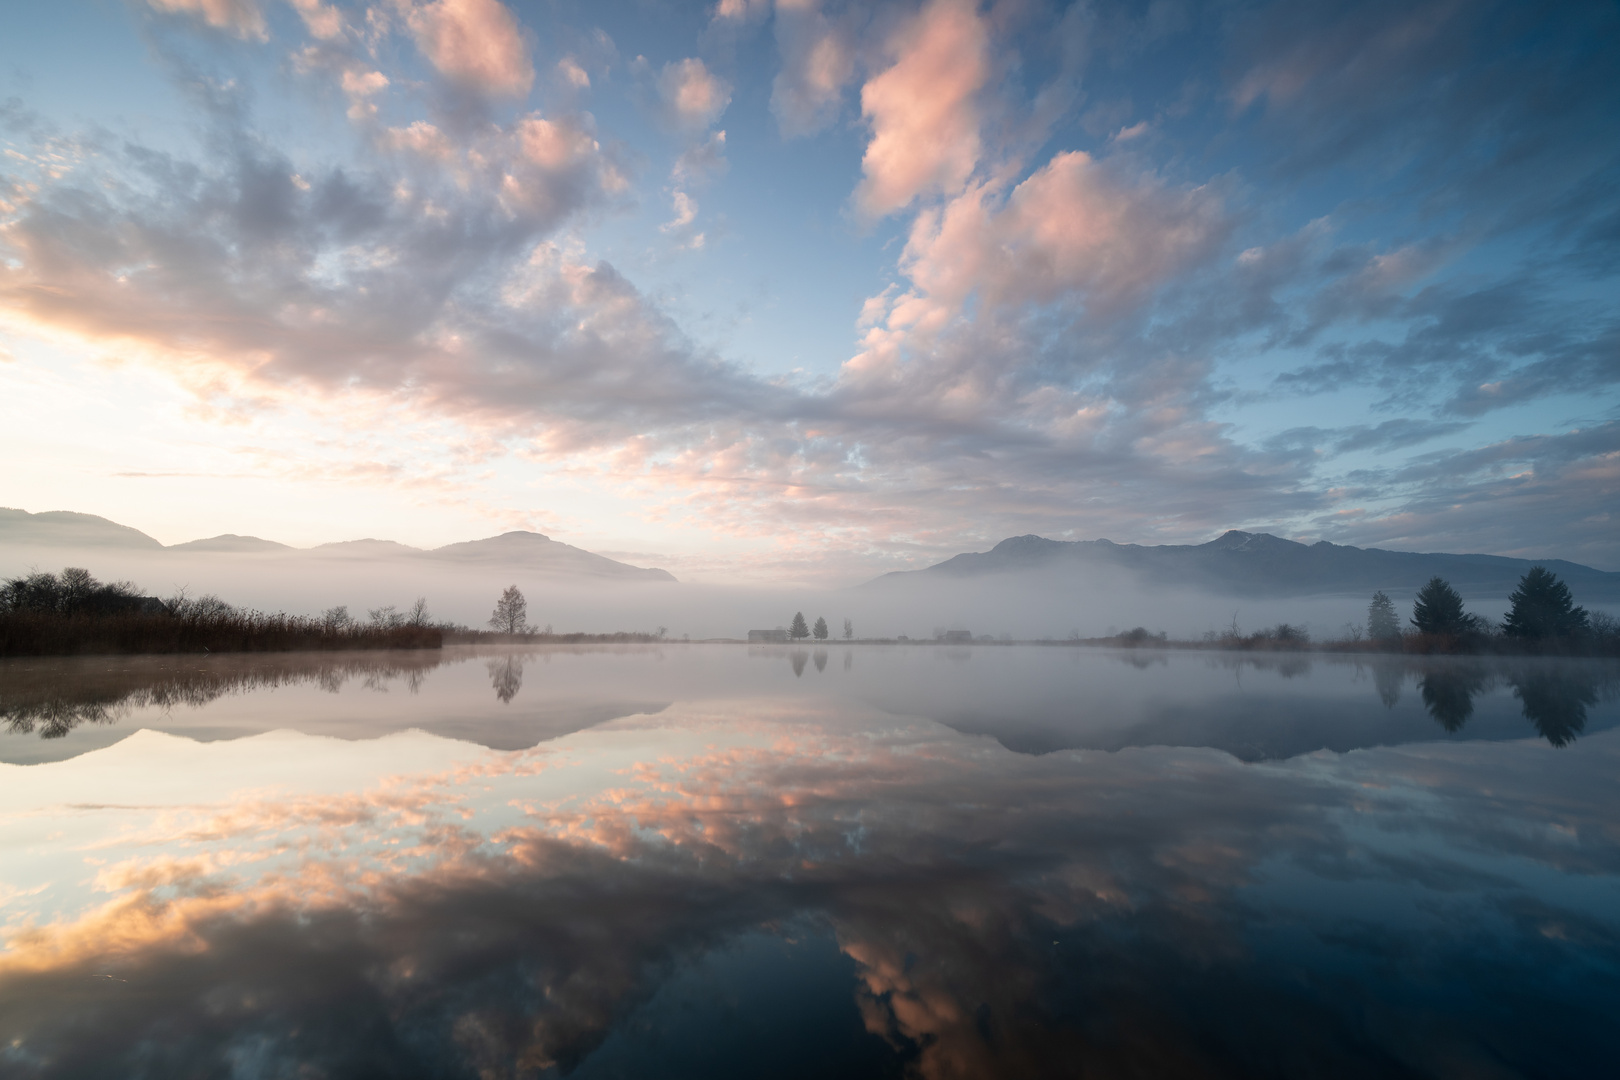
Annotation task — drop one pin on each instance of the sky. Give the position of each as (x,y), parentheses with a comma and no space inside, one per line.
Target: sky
(802,291)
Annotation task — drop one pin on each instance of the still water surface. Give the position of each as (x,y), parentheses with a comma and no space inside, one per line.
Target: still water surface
(854,861)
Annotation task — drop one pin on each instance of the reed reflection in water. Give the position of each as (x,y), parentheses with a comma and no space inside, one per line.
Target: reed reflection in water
(54,696)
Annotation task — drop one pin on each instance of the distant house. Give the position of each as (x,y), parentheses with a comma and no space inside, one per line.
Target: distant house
(778,636)
(958,637)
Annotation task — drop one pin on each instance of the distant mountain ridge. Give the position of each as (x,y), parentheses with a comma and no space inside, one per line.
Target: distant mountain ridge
(527,550)
(529,547)
(64,527)
(231,542)
(1260,564)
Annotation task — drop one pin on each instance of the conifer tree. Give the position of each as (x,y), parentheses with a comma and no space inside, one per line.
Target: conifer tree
(1439,609)
(820,629)
(1543,608)
(1382,622)
(798,630)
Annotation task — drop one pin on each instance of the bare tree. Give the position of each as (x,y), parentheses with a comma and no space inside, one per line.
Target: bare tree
(419,613)
(511,612)
(506,676)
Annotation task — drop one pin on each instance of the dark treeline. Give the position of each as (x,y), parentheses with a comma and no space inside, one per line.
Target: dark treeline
(73,614)
(43,614)
(1543,620)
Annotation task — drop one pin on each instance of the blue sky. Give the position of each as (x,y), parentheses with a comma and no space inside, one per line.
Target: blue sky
(807,291)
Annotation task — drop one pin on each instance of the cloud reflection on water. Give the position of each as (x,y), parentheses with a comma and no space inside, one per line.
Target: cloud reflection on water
(1151,911)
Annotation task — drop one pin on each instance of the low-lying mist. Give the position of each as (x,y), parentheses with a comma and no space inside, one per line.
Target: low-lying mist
(1040,605)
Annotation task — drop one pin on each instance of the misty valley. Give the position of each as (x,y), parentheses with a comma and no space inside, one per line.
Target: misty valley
(833,859)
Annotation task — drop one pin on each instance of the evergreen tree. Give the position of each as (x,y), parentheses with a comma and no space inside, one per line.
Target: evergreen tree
(1439,609)
(820,629)
(511,612)
(1382,622)
(1543,608)
(799,629)
(1448,694)
(849,630)
(1555,701)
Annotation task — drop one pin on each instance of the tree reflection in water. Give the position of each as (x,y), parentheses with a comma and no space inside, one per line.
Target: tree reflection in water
(506,676)
(1448,693)
(1555,699)
(1554,696)
(1388,677)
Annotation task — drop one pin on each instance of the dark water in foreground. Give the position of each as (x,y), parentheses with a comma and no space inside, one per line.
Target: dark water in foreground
(717,861)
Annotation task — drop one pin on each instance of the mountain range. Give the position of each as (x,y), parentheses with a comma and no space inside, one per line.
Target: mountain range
(1235,563)
(1257,564)
(529,550)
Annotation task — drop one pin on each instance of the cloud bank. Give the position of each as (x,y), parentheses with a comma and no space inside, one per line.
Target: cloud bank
(1077,335)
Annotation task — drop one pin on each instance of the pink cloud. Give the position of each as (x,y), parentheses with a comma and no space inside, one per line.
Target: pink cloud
(925,122)
(420,137)
(694,95)
(241,17)
(322,20)
(569,71)
(818,61)
(740,10)
(360,86)
(1075,229)
(476,43)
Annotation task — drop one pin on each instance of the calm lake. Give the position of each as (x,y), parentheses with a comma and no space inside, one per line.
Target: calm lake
(695,860)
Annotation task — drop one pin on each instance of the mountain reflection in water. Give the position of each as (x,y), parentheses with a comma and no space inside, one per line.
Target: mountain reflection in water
(1051,707)
(786,869)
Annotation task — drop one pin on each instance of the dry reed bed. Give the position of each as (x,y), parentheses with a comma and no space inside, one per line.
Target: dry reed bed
(44,633)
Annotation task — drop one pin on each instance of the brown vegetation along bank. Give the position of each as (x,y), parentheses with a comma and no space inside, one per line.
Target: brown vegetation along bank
(29,633)
(73,614)
(461,635)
